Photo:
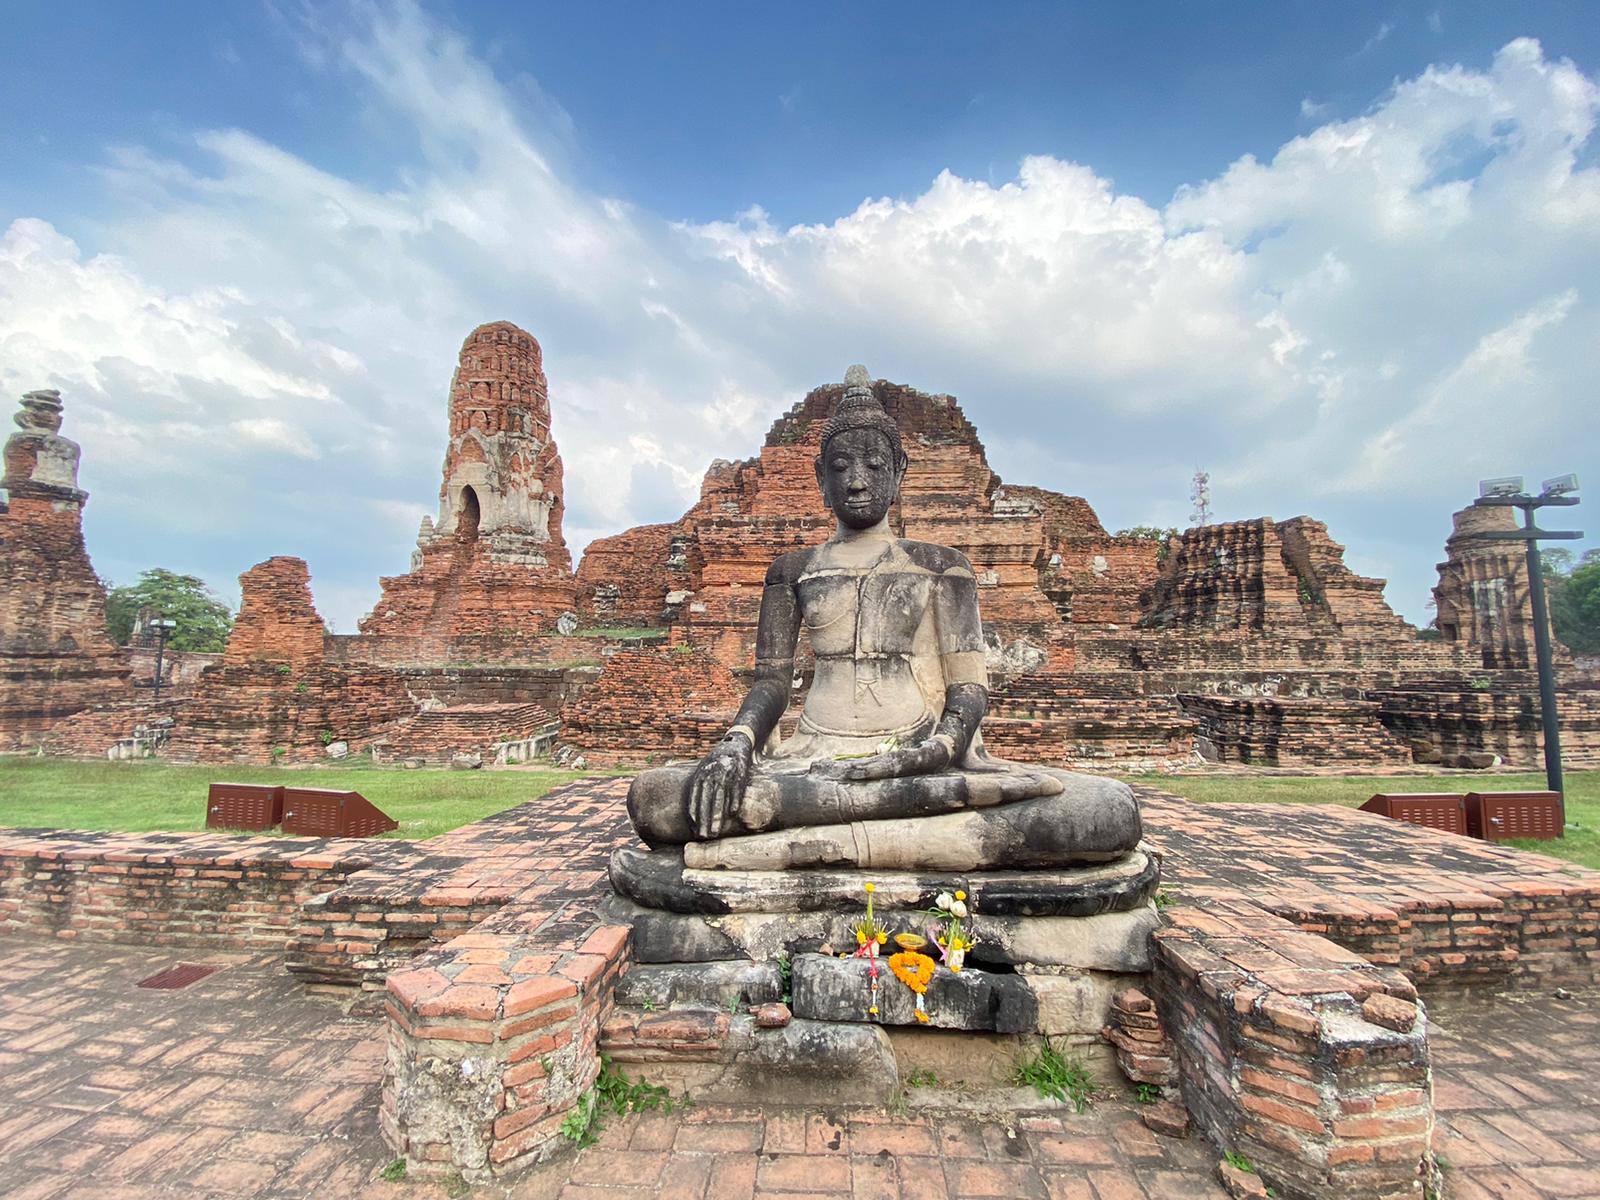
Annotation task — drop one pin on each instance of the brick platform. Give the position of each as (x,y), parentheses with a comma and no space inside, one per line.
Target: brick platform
(492,1035)
(1445,909)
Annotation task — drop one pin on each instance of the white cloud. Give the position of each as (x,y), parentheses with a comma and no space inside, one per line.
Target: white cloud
(1390,306)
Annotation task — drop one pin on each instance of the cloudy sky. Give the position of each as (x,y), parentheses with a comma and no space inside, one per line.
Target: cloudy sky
(1344,257)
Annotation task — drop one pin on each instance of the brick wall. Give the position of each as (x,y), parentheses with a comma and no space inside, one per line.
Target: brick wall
(1296,1053)
(168,889)
(1291,732)
(620,719)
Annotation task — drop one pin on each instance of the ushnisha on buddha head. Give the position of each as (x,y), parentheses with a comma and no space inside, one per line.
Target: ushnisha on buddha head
(861,462)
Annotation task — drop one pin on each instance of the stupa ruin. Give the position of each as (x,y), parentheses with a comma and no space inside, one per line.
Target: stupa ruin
(56,657)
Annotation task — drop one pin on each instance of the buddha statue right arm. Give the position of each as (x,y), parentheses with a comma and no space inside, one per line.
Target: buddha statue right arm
(718,782)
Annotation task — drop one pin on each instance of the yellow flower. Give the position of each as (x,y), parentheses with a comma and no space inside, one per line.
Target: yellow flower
(882,938)
(922,1016)
(872,887)
(959,895)
(873,1011)
(861,938)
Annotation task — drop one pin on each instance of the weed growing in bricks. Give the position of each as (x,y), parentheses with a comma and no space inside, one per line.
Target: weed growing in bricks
(786,976)
(623,1095)
(325,737)
(1165,898)
(922,1077)
(1146,1093)
(581,1126)
(285,669)
(1056,1078)
(615,1092)
(395,1172)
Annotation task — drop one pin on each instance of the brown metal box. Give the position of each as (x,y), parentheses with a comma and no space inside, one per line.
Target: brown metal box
(324,812)
(244,806)
(1444,811)
(1496,816)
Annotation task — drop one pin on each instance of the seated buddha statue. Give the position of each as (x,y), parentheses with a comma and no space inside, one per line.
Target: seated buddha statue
(886,768)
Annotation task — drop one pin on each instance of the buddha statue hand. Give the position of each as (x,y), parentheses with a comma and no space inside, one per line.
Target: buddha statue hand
(717,784)
(924,758)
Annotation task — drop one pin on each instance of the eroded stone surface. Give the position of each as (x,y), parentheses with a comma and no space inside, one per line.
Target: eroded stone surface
(712,984)
(1117,941)
(839,989)
(658,879)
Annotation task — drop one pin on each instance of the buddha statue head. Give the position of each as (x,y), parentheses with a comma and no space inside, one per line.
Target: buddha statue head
(861,462)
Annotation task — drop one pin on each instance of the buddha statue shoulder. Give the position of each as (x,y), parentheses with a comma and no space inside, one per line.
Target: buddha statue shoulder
(886,767)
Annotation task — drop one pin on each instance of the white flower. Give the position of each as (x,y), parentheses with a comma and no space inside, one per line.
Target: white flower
(958,909)
(943,900)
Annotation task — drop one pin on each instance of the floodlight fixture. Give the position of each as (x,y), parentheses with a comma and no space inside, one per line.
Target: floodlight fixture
(1506,485)
(1561,485)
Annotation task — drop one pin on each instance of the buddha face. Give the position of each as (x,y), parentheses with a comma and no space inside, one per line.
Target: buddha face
(859,472)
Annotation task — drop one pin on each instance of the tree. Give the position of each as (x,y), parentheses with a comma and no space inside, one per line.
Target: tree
(1574,596)
(203,620)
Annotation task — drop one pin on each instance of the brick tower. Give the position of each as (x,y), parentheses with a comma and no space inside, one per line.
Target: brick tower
(494,564)
(55,654)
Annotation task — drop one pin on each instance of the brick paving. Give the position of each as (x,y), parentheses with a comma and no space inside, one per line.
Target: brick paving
(240,1085)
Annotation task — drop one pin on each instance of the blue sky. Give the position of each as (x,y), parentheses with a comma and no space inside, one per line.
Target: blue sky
(1343,256)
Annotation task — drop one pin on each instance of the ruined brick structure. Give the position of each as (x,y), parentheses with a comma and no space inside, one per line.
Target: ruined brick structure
(273,698)
(1482,600)
(1251,641)
(495,562)
(55,655)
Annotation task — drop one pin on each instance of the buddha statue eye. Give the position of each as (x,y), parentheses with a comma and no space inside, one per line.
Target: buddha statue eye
(840,464)
(875,464)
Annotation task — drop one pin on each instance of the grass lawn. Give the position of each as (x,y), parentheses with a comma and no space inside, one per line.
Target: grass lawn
(139,797)
(1580,845)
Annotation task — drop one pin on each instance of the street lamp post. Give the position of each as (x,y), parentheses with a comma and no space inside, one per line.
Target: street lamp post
(1558,492)
(162,627)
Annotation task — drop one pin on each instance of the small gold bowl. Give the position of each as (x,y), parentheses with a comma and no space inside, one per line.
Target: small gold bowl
(910,941)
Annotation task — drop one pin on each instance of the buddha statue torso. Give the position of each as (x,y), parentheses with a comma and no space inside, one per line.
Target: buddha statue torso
(892,623)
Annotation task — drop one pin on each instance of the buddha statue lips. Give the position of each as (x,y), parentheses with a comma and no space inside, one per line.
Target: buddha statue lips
(887,767)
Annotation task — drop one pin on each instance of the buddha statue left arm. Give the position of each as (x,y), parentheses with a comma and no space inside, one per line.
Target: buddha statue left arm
(719,780)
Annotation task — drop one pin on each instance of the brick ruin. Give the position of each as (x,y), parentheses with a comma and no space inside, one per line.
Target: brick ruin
(494,564)
(457,658)
(55,654)
(1249,641)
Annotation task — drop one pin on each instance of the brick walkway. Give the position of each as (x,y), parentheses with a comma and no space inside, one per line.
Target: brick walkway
(240,1085)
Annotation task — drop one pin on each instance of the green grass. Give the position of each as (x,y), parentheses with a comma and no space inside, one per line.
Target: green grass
(1580,845)
(139,797)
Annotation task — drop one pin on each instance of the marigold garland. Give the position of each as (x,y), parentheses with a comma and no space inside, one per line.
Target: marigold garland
(914,970)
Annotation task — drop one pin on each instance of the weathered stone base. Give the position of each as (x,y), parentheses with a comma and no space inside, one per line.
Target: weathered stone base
(720,1058)
(1116,941)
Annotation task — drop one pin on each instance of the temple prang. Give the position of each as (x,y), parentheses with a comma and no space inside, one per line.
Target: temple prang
(494,560)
